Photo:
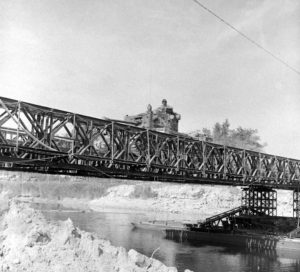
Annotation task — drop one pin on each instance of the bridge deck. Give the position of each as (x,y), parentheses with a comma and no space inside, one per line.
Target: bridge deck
(38,138)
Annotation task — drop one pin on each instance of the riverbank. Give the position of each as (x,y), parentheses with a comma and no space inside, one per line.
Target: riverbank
(30,243)
(160,200)
(154,200)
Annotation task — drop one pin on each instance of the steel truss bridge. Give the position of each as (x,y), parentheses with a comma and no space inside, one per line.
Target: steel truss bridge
(43,139)
(38,138)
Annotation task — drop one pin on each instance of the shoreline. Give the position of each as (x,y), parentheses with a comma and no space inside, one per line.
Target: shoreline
(31,243)
(182,201)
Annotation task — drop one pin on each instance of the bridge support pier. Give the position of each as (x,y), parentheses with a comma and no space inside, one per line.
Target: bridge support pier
(296,203)
(260,198)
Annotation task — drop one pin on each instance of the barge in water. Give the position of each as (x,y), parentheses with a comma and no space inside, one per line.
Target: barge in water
(242,226)
(247,239)
(245,227)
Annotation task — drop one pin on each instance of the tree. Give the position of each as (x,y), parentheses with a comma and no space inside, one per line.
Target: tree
(245,138)
(221,131)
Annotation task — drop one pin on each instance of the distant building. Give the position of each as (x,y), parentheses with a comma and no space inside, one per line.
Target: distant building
(162,119)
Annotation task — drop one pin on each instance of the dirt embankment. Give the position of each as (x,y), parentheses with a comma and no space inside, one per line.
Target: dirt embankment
(29,243)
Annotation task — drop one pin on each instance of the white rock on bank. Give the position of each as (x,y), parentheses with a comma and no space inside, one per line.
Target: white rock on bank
(30,243)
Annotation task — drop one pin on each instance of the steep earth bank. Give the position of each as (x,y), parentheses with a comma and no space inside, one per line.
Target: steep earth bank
(29,243)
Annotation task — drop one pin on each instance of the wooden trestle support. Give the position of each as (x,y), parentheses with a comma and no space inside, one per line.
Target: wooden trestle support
(261,199)
(296,203)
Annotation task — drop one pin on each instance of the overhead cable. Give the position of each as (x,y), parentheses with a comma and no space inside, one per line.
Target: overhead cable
(246,37)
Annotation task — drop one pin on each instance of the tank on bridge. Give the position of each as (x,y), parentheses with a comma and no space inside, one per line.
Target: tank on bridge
(162,119)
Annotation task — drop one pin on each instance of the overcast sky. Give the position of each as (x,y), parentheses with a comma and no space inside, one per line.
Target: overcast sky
(113,57)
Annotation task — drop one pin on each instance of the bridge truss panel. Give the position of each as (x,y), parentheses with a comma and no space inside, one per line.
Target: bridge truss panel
(34,137)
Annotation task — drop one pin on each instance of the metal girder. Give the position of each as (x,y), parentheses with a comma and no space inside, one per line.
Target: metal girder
(32,135)
(218,220)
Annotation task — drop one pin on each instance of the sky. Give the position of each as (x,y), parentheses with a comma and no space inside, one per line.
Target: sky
(114,57)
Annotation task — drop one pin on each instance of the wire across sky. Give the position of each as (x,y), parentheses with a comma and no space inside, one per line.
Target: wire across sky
(247,38)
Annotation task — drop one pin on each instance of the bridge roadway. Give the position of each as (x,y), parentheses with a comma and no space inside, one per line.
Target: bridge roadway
(38,138)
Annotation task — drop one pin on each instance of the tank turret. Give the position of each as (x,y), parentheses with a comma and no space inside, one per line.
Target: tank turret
(162,119)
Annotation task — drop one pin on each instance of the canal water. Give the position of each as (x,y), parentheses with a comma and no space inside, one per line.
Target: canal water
(203,258)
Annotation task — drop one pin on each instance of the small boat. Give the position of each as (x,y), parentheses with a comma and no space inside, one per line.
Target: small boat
(159,225)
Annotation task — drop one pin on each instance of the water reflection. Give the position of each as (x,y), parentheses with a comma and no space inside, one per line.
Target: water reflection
(198,257)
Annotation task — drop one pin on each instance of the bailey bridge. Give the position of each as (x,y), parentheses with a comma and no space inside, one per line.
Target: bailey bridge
(42,139)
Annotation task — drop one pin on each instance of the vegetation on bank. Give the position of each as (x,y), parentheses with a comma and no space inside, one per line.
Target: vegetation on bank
(245,138)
